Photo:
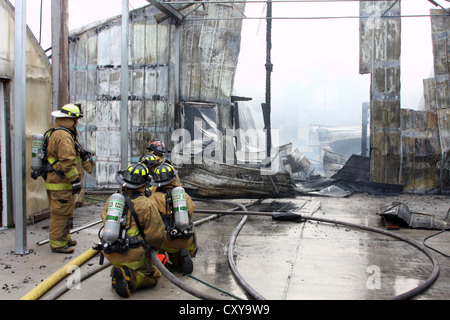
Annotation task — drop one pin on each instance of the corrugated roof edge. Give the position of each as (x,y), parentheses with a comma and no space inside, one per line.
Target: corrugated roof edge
(33,37)
(78,31)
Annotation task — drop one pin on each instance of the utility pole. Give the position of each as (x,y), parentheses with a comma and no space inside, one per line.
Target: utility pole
(60,53)
(269,67)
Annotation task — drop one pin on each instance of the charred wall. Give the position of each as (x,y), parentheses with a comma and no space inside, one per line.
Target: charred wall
(209,50)
(407,147)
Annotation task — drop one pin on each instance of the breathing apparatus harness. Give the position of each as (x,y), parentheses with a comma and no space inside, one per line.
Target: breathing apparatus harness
(40,164)
(122,242)
(177,220)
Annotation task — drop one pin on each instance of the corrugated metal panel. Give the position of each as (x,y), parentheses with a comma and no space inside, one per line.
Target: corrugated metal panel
(380,56)
(208,73)
(209,54)
(407,147)
(421,152)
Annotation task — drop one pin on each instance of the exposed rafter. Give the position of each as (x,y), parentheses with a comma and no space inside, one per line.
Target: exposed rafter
(168,10)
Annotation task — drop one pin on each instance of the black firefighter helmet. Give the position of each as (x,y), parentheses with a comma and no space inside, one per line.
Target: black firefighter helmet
(163,175)
(158,147)
(134,177)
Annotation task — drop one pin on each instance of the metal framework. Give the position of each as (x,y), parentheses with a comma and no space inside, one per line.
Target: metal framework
(169,9)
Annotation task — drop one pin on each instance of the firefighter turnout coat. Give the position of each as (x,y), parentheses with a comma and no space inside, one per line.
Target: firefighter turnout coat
(151,224)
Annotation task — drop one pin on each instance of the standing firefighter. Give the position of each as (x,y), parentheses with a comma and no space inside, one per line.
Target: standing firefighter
(65,161)
(132,226)
(176,209)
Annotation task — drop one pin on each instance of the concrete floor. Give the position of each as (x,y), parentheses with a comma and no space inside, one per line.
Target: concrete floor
(278,259)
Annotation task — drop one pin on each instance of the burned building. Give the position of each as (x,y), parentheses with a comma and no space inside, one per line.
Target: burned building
(179,72)
(407,147)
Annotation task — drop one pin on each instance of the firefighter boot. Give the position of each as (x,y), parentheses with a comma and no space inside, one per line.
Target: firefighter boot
(122,281)
(187,265)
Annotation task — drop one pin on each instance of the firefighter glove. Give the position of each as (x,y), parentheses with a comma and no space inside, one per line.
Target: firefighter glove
(76,186)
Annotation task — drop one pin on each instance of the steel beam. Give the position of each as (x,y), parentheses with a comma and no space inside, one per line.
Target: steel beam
(167,10)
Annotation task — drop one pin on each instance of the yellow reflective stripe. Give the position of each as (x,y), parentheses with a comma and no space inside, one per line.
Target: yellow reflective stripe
(132,232)
(51,160)
(58,186)
(172,250)
(71,173)
(135,265)
(58,244)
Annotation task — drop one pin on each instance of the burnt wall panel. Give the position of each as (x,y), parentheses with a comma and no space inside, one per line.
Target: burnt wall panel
(437,97)
(420,151)
(380,37)
(209,52)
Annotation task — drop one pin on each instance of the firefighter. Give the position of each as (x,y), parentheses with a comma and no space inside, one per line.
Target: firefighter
(151,161)
(158,148)
(180,250)
(64,178)
(133,268)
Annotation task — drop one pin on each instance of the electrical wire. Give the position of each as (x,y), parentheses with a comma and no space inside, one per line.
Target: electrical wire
(262,1)
(320,18)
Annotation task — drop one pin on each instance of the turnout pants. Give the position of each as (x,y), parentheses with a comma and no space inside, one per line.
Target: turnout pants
(62,208)
(141,277)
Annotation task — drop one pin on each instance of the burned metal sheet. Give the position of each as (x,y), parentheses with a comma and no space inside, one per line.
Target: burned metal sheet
(209,52)
(416,219)
(220,180)
(380,56)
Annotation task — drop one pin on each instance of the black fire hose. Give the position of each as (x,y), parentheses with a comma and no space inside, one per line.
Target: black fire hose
(413,292)
(252,292)
(182,285)
(290,216)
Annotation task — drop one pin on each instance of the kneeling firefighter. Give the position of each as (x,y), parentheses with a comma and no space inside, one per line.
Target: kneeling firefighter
(176,209)
(132,226)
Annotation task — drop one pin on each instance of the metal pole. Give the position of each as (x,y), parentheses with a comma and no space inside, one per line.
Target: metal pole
(124,86)
(365,115)
(269,68)
(19,203)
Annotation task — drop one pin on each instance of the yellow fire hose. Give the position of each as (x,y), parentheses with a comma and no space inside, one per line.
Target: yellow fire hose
(55,278)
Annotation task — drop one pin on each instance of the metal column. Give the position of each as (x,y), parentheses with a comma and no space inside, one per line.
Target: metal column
(124,87)
(269,69)
(19,142)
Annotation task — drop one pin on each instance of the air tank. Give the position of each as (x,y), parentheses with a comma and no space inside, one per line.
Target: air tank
(116,206)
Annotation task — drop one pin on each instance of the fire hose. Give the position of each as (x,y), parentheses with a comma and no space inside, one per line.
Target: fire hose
(286,216)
